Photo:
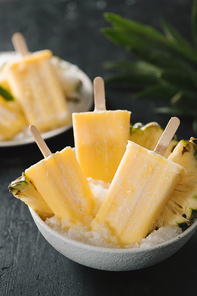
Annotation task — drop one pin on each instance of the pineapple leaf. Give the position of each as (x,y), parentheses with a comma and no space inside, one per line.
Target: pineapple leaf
(193,76)
(180,79)
(145,51)
(132,66)
(175,111)
(184,99)
(194,22)
(167,65)
(131,79)
(6,94)
(149,36)
(168,110)
(160,90)
(136,28)
(135,73)
(195,125)
(172,34)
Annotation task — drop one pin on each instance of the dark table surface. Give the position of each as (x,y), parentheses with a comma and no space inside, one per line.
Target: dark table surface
(71,29)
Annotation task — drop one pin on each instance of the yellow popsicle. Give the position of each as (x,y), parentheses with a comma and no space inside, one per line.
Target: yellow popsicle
(141,187)
(60,181)
(100,137)
(34,84)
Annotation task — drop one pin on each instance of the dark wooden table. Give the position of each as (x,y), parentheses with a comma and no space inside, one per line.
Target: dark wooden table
(71,29)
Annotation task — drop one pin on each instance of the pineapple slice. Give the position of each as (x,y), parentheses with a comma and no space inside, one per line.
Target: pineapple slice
(181,208)
(148,135)
(23,189)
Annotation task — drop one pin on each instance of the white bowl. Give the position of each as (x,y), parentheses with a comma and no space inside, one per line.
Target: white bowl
(112,259)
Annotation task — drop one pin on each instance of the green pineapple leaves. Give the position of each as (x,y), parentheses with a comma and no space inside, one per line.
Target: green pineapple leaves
(165,65)
(194,22)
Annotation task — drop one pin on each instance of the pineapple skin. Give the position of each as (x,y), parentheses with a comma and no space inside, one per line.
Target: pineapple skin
(24,189)
(181,208)
(148,135)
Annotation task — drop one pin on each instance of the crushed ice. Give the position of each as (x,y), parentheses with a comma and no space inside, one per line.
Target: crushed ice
(83,234)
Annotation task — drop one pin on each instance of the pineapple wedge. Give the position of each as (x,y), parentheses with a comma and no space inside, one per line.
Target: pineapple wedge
(181,208)
(148,135)
(23,189)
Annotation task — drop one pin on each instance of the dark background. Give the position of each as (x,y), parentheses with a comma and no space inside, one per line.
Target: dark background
(71,29)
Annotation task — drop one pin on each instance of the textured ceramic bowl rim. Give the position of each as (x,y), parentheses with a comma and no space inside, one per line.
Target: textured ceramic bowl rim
(38,220)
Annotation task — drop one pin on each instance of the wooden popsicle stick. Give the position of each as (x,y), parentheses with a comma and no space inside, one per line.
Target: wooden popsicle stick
(20,44)
(39,141)
(99,94)
(167,136)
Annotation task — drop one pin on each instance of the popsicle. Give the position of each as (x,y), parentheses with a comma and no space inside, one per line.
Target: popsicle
(100,137)
(141,187)
(34,84)
(60,181)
